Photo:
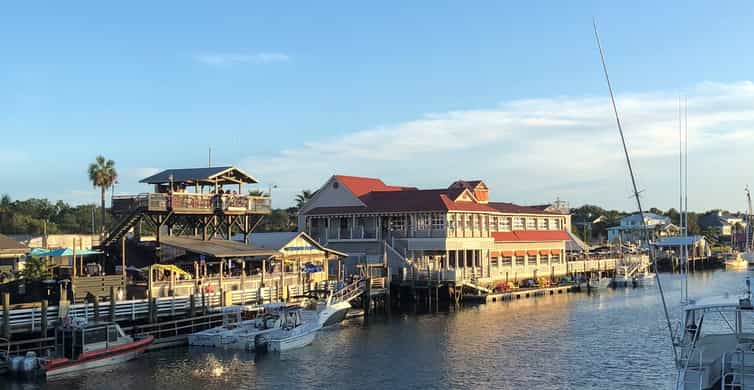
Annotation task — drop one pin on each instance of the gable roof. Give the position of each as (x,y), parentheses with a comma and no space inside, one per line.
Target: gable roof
(278,240)
(194,175)
(361,186)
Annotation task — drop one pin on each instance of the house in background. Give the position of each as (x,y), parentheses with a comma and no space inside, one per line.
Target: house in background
(723,223)
(630,228)
(12,255)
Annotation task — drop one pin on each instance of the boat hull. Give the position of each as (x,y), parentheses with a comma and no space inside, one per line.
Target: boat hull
(334,314)
(108,357)
(298,341)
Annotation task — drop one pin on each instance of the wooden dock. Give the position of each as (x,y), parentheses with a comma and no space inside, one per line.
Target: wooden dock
(518,294)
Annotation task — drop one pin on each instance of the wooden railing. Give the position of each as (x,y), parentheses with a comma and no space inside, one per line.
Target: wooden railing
(99,286)
(188,202)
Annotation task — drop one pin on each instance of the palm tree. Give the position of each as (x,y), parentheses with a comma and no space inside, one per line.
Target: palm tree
(304,197)
(102,174)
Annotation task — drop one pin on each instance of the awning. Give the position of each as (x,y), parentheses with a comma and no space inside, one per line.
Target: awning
(544,252)
(531,253)
(531,235)
(520,253)
(495,253)
(41,252)
(508,253)
(555,251)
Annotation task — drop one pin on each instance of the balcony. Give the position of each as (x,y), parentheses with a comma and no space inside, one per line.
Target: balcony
(192,203)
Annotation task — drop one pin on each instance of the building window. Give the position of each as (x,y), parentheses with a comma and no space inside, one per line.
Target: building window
(531,260)
(505,224)
(518,223)
(544,259)
(469,221)
(422,222)
(493,261)
(556,224)
(494,224)
(486,222)
(397,223)
(555,259)
(480,222)
(520,260)
(542,223)
(507,261)
(438,221)
(531,224)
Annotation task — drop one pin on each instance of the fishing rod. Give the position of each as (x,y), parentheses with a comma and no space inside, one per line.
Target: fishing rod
(645,231)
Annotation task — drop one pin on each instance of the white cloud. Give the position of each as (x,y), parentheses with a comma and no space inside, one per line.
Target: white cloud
(532,150)
(229,59)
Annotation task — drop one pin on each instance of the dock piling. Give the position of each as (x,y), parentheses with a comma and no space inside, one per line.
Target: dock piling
(6,316)
(44,318)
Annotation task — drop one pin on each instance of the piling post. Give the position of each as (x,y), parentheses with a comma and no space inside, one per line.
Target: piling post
(112,303)
(192,306)
(6,316)
(44,318)
(204,303)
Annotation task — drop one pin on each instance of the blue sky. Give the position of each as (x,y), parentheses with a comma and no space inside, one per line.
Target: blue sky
(418,94)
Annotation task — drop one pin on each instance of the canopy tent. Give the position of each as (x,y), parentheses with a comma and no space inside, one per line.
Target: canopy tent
(62,252)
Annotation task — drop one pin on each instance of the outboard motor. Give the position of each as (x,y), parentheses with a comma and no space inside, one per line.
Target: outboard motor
(31,363)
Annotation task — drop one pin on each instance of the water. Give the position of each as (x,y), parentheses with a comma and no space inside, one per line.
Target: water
(614,339)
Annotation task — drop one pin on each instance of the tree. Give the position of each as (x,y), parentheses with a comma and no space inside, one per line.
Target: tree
(303,197)
(102,174)
(35,268)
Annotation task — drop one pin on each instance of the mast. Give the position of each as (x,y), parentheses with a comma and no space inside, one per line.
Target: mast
(749,241)
(645,232)
(681,246)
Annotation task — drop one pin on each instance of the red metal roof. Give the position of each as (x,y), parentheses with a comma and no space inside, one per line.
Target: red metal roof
(531,235)
(361,186)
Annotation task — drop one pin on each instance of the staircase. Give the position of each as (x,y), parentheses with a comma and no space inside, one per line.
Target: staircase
(349,292)
(121,228)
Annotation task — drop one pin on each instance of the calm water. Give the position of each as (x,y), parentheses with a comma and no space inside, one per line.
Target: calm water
(614,339)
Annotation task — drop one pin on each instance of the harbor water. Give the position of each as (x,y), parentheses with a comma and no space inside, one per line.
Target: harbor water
(613,339)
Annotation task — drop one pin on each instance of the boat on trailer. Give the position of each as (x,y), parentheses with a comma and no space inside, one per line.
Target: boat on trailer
(82,346)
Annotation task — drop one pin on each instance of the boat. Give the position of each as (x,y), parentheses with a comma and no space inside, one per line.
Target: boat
(298,331)
(82,345)
(232,320)
(645,278)
(335,308)
(250,335)
(716,343)
(598,283)
(736,262)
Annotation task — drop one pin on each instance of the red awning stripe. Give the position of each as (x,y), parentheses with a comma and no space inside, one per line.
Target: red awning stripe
(531,235)
(520,253)
(508,253)
(555,251)
(495,253)
(531,253)
(544,252)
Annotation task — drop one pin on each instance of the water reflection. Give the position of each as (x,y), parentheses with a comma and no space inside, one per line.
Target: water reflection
(613,339)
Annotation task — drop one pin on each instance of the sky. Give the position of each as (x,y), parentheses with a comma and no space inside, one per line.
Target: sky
(417,93)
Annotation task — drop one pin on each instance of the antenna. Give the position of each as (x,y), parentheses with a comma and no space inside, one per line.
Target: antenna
(209,158)
(645,232)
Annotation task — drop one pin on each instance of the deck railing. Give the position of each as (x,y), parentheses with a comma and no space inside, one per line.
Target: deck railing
(188,202)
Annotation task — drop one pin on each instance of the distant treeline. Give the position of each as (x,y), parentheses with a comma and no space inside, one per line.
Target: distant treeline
(29,217)
(612,218)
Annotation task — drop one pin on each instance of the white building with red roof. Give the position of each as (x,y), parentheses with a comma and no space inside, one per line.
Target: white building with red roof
(455,233)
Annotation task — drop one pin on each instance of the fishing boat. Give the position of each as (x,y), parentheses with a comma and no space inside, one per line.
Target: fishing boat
(251,335)
(80,346)
(716,343)
(297,331)
(232,320)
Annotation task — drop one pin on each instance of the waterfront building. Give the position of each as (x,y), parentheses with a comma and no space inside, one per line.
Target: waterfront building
(630,228)
(12,255)
(452,233)
(725,224)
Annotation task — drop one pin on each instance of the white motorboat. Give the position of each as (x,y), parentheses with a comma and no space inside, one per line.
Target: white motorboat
(336,306)
(598,283)
(297,331)
(232,320)
(716,344)
(252,334)
(645,278)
